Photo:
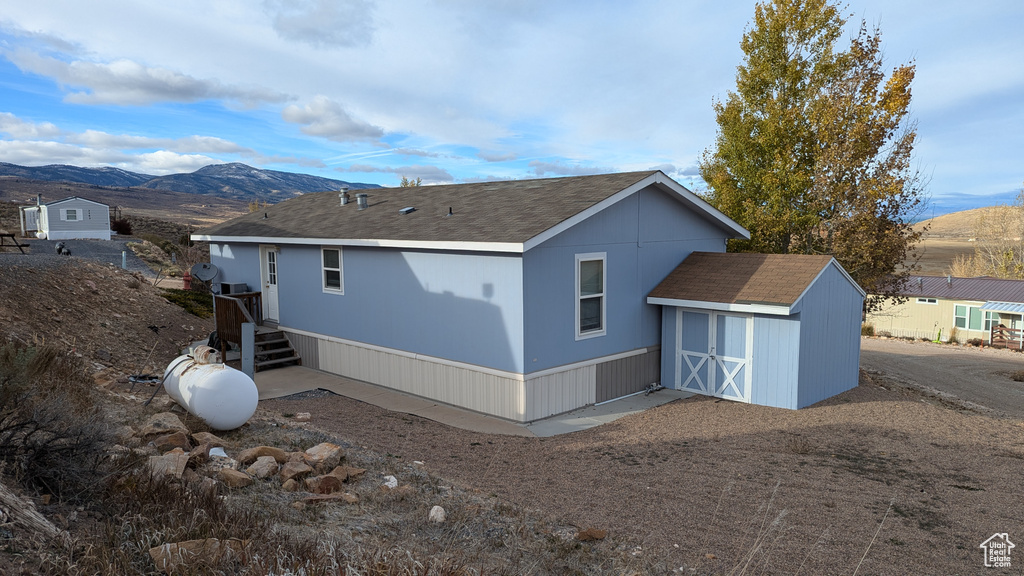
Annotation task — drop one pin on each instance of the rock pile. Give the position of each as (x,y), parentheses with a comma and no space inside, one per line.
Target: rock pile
(194,457)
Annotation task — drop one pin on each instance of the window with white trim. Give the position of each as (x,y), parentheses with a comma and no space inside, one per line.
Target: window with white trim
(69,214)
(590,295)
(927,301)
(331,265)
(973,318)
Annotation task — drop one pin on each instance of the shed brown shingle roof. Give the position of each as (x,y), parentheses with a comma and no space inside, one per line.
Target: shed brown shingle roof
(498,212)
(740,278)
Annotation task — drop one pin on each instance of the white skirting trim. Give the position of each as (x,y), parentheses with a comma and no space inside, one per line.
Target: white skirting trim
(509,395)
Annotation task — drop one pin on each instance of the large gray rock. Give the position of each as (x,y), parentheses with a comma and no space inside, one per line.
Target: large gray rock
(324,456)
(263,467)
(162,423)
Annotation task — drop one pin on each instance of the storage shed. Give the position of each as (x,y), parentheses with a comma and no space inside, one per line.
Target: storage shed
(772,329)
(67,219)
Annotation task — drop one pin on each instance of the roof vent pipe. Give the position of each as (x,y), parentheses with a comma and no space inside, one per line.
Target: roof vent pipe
(361,201)
(39,199)
(949,280)
(343,194)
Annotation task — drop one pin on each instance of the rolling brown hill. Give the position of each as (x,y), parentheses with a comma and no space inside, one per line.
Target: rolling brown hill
(200,210)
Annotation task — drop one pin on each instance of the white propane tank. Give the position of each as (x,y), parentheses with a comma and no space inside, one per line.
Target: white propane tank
(41,235)
(219,395)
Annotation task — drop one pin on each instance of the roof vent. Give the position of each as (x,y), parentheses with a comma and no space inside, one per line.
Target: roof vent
(343,195)
(361,200)
(406,210)
(449,211)
(949,279)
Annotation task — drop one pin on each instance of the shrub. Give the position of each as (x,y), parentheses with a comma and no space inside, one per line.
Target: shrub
(197,303)
(53,437)
(122,227)
(160,242)
(977,342)
(1018,376)
(867,330)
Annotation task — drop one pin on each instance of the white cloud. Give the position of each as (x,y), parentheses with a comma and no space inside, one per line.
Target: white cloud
(125,82)
(496,156)
(415,152)
(323,23)
(158,163)
(18,128)
(100,139)
(559,168)
(429,174)
(326,118)
(165,162)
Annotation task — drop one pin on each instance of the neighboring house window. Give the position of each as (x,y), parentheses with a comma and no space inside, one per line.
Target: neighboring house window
(927,301)
(590,295)
(69,214)
(972,318)
(332,271)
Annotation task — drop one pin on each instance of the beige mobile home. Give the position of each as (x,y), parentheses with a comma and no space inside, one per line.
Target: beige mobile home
(944,307)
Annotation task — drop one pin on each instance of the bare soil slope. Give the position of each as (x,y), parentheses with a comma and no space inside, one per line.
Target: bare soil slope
(714,485)
(111,317)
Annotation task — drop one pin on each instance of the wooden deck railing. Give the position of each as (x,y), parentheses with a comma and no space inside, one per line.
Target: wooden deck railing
(232,312)
(1003,337)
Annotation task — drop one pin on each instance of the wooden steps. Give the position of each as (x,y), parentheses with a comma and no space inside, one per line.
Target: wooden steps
(273,350)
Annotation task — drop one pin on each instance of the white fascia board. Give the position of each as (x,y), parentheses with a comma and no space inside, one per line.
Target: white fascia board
(506,247)
(833,262)
(685,195)
(702,205)
(75,198)
(723,306)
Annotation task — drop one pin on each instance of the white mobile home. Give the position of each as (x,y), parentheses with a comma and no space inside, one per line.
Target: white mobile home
(67,219)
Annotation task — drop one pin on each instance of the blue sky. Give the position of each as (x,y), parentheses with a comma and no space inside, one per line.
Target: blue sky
(462,90)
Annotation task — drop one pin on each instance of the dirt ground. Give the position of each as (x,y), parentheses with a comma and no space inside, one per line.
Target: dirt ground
(910,482)
(979,375)
(937,254)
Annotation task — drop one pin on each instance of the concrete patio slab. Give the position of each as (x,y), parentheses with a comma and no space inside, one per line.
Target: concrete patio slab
(290,380)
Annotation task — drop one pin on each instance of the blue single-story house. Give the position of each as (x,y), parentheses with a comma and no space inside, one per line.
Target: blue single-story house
(520,299)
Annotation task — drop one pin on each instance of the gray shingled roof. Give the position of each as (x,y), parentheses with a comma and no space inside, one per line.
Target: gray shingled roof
(741,278)
(506,212)
(982,289)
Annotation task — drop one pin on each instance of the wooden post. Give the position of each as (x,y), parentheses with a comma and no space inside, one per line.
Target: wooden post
(24,514)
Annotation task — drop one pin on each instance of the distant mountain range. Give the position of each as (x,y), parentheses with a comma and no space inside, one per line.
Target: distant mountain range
(233,181)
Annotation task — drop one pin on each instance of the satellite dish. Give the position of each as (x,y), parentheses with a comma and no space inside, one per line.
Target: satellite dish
(204,271)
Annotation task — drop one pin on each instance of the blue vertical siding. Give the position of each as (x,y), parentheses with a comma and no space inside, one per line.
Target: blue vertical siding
(645,236)
(776,361)
(465,307)
(237,263)
(829,338)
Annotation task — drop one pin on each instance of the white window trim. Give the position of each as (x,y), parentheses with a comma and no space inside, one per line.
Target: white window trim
(988,318)
(64,214)
(603,257)
(324,269)
(929,301)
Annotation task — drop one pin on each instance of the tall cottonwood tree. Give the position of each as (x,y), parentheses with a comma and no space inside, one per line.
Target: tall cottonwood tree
(813,153)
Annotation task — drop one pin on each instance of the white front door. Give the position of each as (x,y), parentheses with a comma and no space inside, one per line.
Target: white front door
(268,277)
(713,353)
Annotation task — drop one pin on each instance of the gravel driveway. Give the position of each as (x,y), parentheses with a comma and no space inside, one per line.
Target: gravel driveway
(107,251)
(978,375)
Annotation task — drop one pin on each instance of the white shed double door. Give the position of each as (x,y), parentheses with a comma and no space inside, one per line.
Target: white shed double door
(713,353)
